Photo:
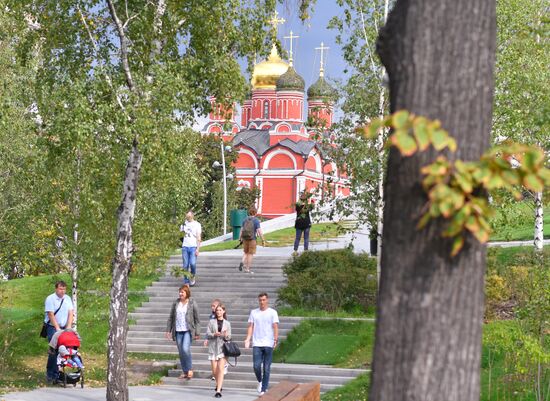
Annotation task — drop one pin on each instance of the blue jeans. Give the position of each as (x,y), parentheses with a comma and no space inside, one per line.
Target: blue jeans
(51,367)
(262,355)
(299,237)
(189,261)
(183,341)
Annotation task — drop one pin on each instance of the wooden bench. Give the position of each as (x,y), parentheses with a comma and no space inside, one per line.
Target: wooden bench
(290,391)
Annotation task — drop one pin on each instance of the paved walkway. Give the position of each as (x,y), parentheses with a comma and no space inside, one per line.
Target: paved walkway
(137,393)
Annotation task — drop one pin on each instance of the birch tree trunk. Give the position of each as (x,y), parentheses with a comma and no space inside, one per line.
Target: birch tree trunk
(117,387)
(539,222)
(380,141)
(439,55)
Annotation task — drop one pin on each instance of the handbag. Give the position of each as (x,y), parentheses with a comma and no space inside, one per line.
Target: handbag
(44,331)
(231,350)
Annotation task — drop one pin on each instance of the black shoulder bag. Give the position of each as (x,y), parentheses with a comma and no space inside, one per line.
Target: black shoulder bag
(231,350)
(44,331)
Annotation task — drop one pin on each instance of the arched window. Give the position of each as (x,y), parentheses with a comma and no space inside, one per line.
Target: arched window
(266,110)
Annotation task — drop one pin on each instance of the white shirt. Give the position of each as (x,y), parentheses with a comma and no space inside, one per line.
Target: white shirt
(263,335)
(181,312)
(192,230)
(51,305)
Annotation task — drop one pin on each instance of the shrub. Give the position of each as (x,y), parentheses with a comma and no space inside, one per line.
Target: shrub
(330,280)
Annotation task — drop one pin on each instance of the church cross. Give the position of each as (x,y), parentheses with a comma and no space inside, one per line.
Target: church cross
(322,49)
(292,36)
(274,21)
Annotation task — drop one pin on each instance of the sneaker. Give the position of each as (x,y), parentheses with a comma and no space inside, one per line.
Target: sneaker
(218,394)
(260,388)
(192,282)
(262,393)
(241,265)
(225,369)
(213,378)
(295,253)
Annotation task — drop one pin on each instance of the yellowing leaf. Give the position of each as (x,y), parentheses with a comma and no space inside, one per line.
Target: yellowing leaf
(458,243)
(421,134)
(423,221)
(465,182)
(511,177)
(372,129)
(404,142)
(482,235)
(439,138)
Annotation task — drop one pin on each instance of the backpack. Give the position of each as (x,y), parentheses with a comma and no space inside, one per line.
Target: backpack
(247,232)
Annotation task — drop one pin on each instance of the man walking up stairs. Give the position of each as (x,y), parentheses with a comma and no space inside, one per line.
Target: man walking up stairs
(239,292)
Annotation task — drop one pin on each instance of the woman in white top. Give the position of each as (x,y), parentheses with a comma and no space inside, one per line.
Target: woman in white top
(218,331)
(184,324)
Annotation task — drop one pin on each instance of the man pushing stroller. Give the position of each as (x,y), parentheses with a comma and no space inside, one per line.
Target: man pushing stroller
(65,344)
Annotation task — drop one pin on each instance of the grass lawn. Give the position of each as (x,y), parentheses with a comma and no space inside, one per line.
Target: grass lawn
(285,237)
(325,349)
(516,223)
(23,352)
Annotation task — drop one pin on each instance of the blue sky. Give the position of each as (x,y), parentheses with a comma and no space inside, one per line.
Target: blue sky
(311,33)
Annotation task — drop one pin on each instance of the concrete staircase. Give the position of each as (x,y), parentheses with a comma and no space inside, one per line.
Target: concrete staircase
(218,277)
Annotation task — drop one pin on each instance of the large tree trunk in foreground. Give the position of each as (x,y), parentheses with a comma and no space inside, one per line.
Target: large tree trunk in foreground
(439,55)
(117,387)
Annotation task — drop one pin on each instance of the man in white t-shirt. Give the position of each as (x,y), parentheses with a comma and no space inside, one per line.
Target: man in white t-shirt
(190,246)
(59,313)
(263,329)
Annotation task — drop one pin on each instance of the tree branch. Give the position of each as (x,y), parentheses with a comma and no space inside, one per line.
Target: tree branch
(96,48)
(123,47)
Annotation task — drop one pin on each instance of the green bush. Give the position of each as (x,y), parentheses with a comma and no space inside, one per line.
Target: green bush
(330,280)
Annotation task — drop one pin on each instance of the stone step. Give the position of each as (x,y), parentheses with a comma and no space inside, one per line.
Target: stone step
(164,309)
(274,375)
(235,324)
(233,316)
(235,332)
(203,365)
(230,384)
(197,346)
(202,295)
(222,276)
(214,280)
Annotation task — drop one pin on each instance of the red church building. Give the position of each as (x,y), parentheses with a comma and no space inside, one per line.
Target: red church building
(278,152)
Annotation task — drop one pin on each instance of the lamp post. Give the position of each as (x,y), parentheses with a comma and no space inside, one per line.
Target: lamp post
(217,164)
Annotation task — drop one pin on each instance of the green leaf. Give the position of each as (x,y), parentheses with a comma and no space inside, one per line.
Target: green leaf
(404,142)
(532,182)
(400,119)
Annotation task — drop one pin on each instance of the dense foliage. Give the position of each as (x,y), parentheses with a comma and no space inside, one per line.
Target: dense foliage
(330,280)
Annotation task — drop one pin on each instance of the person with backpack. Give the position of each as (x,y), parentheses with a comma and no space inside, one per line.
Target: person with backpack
(303,223)
(250,231)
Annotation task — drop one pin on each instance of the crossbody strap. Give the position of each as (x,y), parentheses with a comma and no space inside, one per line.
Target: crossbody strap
(57,310)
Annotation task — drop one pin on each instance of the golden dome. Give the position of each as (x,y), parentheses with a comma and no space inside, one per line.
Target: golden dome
(267,72)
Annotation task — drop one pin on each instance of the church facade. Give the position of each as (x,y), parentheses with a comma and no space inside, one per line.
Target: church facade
(277,151)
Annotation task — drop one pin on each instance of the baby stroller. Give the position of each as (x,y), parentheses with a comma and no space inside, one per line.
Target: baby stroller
(69,361)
